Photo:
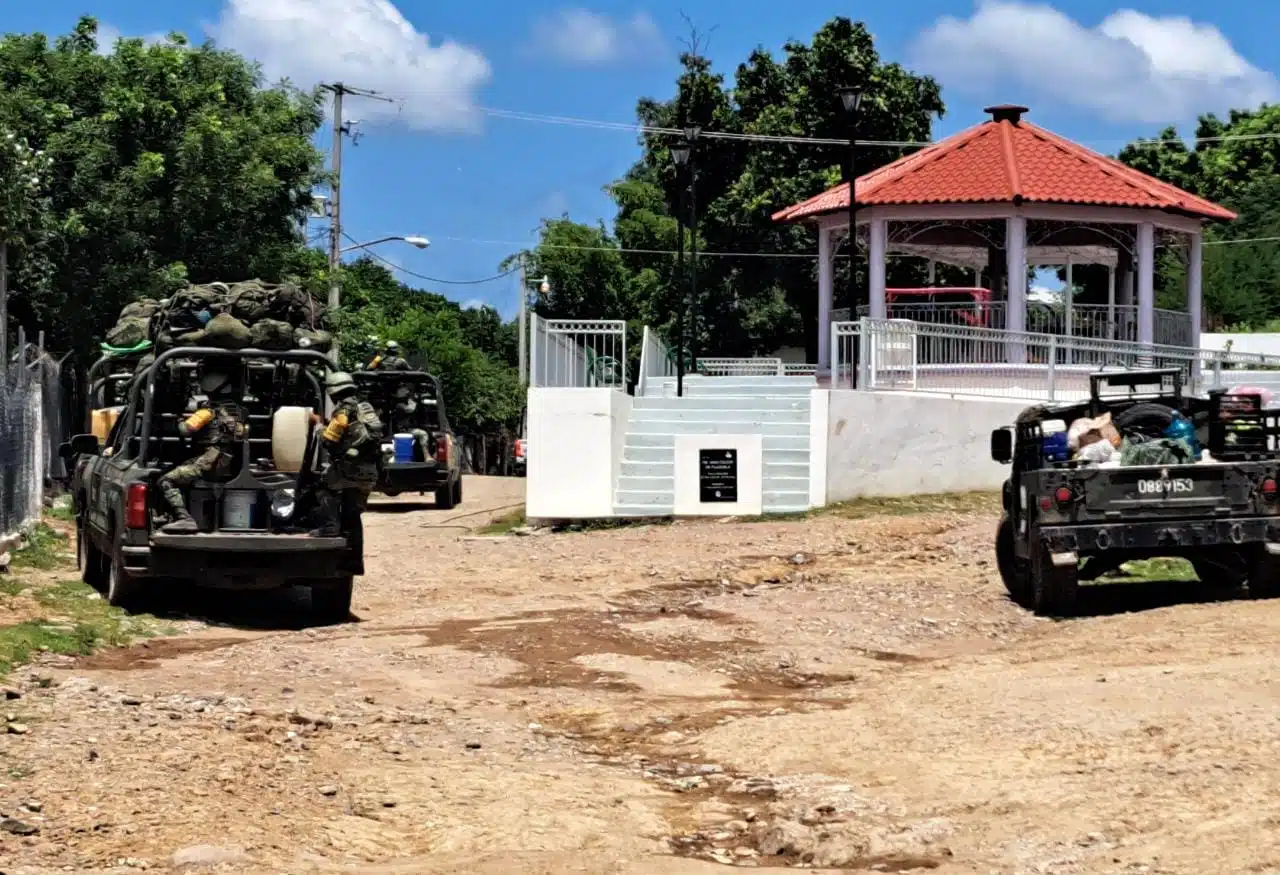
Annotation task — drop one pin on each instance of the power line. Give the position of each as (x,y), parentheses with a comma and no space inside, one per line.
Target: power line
(731,254)
(632,127)
(430,279)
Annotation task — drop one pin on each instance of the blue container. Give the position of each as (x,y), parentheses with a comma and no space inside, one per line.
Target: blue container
(404,444)
(1184,429)
(1054,447)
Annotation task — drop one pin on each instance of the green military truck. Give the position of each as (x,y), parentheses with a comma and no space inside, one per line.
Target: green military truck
(1067,520)
(412,403)
(252,523)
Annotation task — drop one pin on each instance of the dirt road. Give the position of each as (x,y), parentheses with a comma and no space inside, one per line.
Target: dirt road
(857,695)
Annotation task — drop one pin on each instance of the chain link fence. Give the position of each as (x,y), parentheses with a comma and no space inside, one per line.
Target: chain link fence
(31,428)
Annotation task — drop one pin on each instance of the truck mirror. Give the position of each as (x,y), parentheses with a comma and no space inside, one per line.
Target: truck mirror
(80,445)
(1002,445)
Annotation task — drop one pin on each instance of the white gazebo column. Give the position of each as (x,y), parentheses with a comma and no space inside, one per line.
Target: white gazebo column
(1195,268)
(875,266)
(933,272)
(826,284)
(1146,283)
(1015,244)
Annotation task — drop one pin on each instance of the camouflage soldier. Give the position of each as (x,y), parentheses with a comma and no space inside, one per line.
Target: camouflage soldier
(215,428)
(352,436)
(389,359)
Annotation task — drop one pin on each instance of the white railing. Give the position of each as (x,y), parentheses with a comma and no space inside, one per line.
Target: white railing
(740,367)
(955,360)
(656,360)
(578,353)
(1089,321)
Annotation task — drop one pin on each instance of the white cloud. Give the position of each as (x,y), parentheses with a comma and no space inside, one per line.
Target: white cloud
(109,33)
(1132,67)
(365,44)
(474,304)
(581,36)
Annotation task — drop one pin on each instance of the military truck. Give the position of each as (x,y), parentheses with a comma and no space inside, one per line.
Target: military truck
(412,403)
(252,522)
(1070,521)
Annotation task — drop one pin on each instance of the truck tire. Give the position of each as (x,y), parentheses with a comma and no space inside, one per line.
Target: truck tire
(1053,588)
(1264,576)
(1012,572)
(444,497)
(457,491)
(1230,574)
(89,559)
(331,600)
(123,589)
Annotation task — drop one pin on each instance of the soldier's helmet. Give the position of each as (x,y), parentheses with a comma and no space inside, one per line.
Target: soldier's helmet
(215,382)
(339,383)
(392,347)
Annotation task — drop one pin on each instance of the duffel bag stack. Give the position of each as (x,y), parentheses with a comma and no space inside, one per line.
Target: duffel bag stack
(246,315)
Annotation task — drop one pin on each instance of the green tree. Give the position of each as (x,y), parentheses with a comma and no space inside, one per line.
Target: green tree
(167,162)
(767,298)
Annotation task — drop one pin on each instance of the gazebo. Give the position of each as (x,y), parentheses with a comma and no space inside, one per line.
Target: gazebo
(1006,194)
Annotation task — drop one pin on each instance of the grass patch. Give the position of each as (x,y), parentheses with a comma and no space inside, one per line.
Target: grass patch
(75,621)
(1155,569)
(63,510)
(43,549)
(911,505)
(504,524)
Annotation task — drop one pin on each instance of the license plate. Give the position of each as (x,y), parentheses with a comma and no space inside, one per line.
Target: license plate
(1173,486)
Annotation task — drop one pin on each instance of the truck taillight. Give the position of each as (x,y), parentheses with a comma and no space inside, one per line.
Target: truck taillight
(442,450)
(519,449)
(135,507)
(1268,489)
(1064,495)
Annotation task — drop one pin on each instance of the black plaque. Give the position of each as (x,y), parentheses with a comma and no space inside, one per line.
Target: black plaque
(718,476)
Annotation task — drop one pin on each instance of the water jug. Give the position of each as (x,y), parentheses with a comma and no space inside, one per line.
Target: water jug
(1184,429)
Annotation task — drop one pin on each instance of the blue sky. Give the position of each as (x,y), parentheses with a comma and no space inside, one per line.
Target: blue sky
(475,183)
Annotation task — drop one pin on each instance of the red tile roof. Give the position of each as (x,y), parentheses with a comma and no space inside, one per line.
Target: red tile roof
(1007,160)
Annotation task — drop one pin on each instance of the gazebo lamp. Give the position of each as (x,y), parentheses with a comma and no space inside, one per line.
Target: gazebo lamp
(680,153)
(851,98)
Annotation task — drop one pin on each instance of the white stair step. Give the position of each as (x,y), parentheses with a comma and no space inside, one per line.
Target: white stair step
(794,417)
(647,469)
(730,402)
(768,429)
(792,442)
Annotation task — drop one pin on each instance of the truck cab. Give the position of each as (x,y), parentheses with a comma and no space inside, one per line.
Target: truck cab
(1067,520)
(252,518)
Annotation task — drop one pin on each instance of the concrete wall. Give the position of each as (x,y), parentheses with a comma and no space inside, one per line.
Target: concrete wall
(750,496)
(899,443)
(1256,344)
(575,449)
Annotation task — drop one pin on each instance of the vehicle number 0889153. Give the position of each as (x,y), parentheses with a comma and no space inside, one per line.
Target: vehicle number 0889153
(1166,487)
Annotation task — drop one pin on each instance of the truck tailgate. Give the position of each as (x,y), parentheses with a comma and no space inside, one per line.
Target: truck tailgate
(1169,490)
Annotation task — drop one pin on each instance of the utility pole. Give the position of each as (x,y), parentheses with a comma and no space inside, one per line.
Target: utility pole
(335,191)
(4,307)
(523,340)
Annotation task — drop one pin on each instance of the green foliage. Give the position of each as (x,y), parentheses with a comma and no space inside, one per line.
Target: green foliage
(1236,162)
(745,305)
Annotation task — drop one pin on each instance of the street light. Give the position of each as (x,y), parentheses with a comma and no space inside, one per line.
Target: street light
(851,99)
(680,153)
(335,279)
(412,240)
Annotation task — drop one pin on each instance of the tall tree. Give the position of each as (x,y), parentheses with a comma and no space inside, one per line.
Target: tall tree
(167,162)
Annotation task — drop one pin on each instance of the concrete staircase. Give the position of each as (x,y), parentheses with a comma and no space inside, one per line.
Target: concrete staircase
(775,407)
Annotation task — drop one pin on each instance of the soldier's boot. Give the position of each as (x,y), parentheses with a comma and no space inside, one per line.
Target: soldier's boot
(180,521)
(328,512)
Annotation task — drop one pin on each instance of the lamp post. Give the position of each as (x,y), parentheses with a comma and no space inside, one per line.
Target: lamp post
(691,140)
(522,332)
(335,278)
(851,99)
(680,153)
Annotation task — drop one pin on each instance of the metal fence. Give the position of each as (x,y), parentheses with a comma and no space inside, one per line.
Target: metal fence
(1089,321)
(578,353)
(30,431)
(904,355)
(761,366)
(656,360)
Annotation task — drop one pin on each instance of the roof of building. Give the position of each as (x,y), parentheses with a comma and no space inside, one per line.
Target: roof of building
(1007,160)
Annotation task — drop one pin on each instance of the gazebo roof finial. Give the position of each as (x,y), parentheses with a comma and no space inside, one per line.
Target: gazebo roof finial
(1006,112)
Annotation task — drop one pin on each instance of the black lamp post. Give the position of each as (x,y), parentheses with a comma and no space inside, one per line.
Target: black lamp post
(680,155)
(691,139)
(851,99)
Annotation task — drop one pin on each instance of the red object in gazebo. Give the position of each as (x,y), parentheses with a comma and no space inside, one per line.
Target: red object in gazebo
(1009,169)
